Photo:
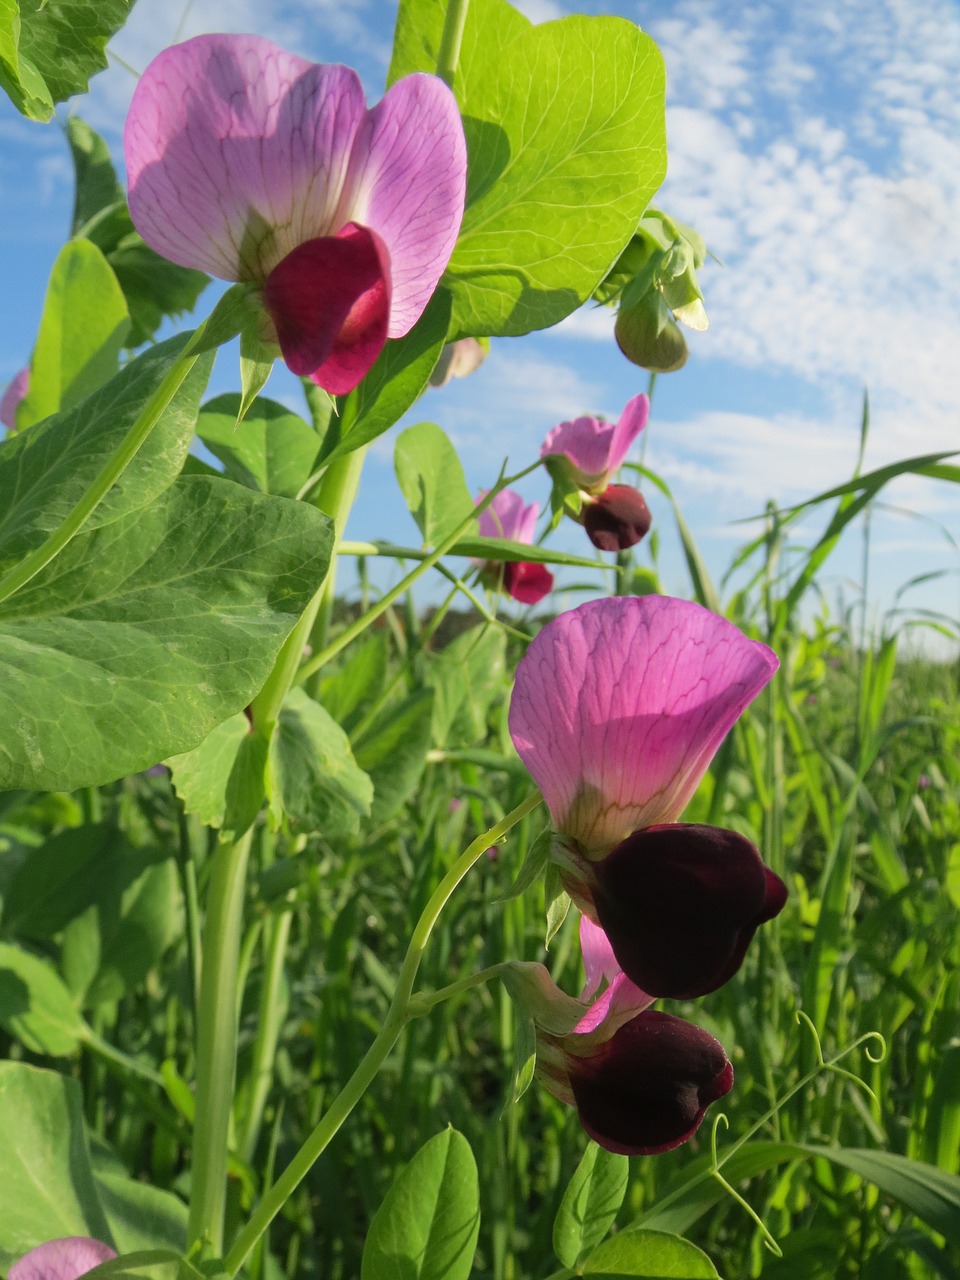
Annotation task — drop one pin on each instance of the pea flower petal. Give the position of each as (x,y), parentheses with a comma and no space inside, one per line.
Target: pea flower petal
(509,517)
(594,450)
(17,388)
(619,706)
(680,903)
(646,1089)
(64,1259)
(617,518)
(240,154)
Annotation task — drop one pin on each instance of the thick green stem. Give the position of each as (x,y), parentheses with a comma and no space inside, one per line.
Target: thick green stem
(132,442)
(217,1042)
(451,39)
(397,1017)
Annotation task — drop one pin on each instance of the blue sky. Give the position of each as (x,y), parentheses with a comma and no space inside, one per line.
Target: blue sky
(816,147)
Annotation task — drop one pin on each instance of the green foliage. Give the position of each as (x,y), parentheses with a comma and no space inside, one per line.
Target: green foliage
(426,1228)
(145,634)
(545,124)
(648,1253)
(431,480)
(590,1203)
(49,49)
(274,451)
(35,1006)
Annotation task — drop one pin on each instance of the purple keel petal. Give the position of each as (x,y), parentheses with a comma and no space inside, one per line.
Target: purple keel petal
(646,1089)
(409,180)
(61,1259)
(330,302)
(680,904)
(619,706)
(238,151)
(526,581)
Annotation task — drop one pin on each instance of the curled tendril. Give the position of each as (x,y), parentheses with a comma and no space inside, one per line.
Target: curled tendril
(768,1240)
(804,1021)
(875,1049)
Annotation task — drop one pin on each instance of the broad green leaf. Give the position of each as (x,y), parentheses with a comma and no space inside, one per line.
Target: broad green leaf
(19,78)
(45,1172)
(394,751)
(143,635)
(201,776)
(344,691)
(272,450)
(393,384)
(54,883)
(97,189)
(82,331)
(35,1006)
(46,471)
(466,676)
(315,780)
(62,42)
(150,1264)
(565,136)
(590,1203)
(649,1253)
(427,1227)
(431,479)
(141,1216)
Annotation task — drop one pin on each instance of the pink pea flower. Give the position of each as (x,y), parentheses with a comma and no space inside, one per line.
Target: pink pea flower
(586,453)
(592,451)
(255,165)
(509,518)
(16,389)
(641,1080)
(61,1259)
(617,710)
(458,360)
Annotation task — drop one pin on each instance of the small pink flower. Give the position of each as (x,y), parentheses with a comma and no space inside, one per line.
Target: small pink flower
(509,518)
(16,389)
(458,360)
(617,710)
(255,165)
(593,449)
(65,1259)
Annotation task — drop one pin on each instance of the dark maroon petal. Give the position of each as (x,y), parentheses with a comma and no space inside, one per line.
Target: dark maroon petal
(330,302)
(526,581)
(680,904)
(646,1089)
(617,519)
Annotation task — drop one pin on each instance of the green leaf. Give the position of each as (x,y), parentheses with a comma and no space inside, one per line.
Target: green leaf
(143,635)
(82,330)
(45,472)
(201,776)
(273,450)
(565,136)
(58,881)
(62,43)
(503,549)
(256,365)
(315,780)
(97,188)
(393,384)
(35,1006)
(141,1216)
(348,688)
(427,1227)
(431,479)
(45,1172)
(394,752)
(466,677)
(649,1253)
(590,1203)
(20,79)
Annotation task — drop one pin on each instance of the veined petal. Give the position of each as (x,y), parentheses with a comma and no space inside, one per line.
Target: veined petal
(408,182)
(619,706)
(508,517)
(599,962)
(238,151)
(595,449)
(64,1259)
(330,303)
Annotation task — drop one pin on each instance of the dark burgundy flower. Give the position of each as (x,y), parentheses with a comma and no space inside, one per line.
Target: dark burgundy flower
(617,519)
(680,903)
(645,1090)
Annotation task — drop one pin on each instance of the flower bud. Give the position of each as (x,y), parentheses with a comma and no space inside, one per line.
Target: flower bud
(617,519)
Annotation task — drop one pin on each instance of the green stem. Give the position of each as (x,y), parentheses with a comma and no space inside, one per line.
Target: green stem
(357,628)
(423,1001)
(129,446)
(187,867)
(217,1042)
(268,1032)
(134,1066)
(397,1016)
(335,498)
(451,39)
